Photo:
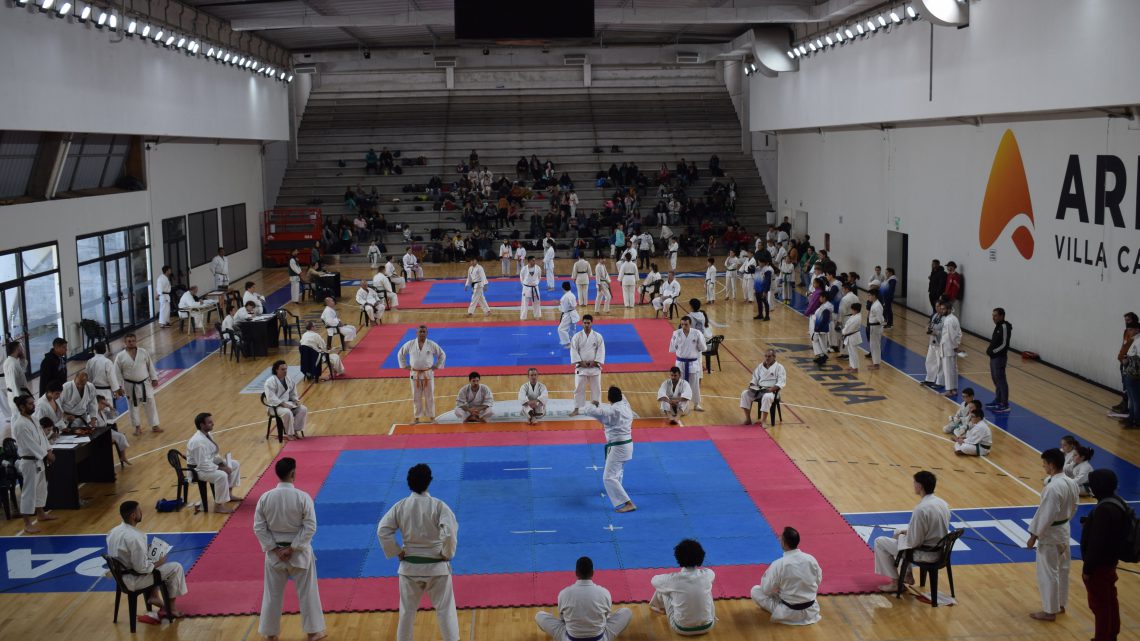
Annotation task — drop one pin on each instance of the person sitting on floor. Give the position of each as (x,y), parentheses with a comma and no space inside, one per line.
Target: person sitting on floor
(978,439)
(685,597)
(473,403)
(789,586)
(1081,468)
(585,610)
(960,420)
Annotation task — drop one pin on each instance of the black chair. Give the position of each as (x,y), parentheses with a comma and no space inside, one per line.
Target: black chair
(9,478)
(651,290)
(186,475)
(287,320)
(713,349)
(230,339)
(669,312)
(329,337)
(773,411)
(118,570)
(271,419)
(93,333)
(944,549)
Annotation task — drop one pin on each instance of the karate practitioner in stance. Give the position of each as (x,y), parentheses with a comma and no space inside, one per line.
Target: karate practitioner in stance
(477,281)
(587,355)
(530,276)
(617,419)
(421,357)
(568,315)
(1049,533)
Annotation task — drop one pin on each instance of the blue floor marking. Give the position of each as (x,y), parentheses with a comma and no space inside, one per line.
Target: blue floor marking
(1040,433)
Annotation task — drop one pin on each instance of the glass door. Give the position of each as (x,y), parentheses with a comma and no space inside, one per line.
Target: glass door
(111,295)
(93,293)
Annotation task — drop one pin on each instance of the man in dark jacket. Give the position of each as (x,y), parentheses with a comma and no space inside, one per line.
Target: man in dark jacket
(937,283)
(53,368)
(999,347)
(1100,551)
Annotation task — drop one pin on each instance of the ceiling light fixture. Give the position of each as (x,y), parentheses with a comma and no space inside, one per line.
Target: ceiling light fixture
(64,9)
(895,17)
(910,12)
(158,34)
(882,20)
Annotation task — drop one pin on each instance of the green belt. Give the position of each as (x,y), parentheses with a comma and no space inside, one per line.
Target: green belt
(422,560)
(699,628)
(1061,522)
(617,443)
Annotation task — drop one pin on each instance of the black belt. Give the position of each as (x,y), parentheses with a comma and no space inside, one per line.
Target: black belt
(597,638)
(873,324)
(798,606)
(29,458)
(134,391)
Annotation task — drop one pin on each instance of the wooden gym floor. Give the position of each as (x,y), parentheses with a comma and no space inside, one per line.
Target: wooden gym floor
(860,456)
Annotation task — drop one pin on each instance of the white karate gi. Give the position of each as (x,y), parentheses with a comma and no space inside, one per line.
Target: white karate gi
(44,409)
(203,453)
(477,281)
(398,281)
(136,374)
(284,403)
(162,286)
(333,326)
(84,405)
(104,376)
(530,277)
(294,280)
(529,393)
(875,322)
(731,275)
(370,303)
(421,360)
(602,282)
(220,266)
(934,370)
(30,441)
(979,440)
(747,279)
(853,338)
(959,421)
(581,274)
(585,611)
(671,251)
(505,259)
(520,256)
(473,398)
(668,391)
(429,532)
(951,340)
(548,265)
(317,343)
(257,299)
(617,419)
(792,579)
(763,380)
(285,517)
(787,275)
(373,256)
(586,347)
(710,284)
(1051,525)
(647,283)
(819,339)
(689,348)
(126,544)
(669,291)
(199,310)
(568,316)
(386,290)
(15,381)
(627,273)
(929,523)
(412,268)
(686,597)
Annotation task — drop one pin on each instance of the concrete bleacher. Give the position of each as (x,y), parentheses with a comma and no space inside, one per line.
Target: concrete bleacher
(650,127)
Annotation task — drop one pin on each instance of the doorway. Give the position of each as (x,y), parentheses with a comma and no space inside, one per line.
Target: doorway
(897,247)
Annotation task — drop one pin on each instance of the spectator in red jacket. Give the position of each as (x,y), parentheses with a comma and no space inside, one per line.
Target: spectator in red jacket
(953,289)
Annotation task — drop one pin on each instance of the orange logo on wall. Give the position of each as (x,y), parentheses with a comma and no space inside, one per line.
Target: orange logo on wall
(1007,196)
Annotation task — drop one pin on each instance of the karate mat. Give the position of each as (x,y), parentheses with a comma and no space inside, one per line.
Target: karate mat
(500,292)
(502,348)
(528,504)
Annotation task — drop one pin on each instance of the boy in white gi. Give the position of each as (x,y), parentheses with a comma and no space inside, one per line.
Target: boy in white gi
(421,357)
(283,401)
(710,282)
(978,439)
(929,522)
(473,403)
(674,396)
(875,323)
(617,419)
(520,256)
(35,454)
(787,277)
(768,379)
(960,420)
(568,315)
(585,610)
(136,371)
(689,344)
(127,545)
(284,523)
(789,586)
(530,276)
(428,530)
(587,355)
(204,455)
(671,251)
(1049,533)
(581,274)
(820,328)
(477,281)
(853,336)
(602,282)
(685,597)
(373,255)
(534,396)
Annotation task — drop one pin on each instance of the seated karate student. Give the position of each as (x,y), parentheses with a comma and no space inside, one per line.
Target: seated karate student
(315,341)
(204,456)
(978,439)
(675,396)
(251,296)
(585,610)
(685,597)
(789,586)
(1081,468)
(197,308)
(107,415)
(960,420)
(1069,445)
(334,327)
(473,403)
(369,301)
(534,396)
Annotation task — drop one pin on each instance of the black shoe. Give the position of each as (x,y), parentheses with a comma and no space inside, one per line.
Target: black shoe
(766,318)
(1120,408)
(928,384)
(757,318)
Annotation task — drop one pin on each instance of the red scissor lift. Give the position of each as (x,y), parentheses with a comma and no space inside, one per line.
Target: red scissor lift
(283,230)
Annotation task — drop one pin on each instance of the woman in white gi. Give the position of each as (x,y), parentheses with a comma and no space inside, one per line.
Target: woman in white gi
(530,276)
(1049,533)
(127,545)
(369,302)
(731,275)
(685,597)
(602,284)
(474,403)
(204,456)
(47,406)
(790,585)
(534,396)
(627,274)
(284,523)
(581,274)
(136,371)
(617,419)
(421,357)
(587,355)
(568,315)
(334,327)
(853,337)
(477,282)
(283,402)
(35,454)
(674,396)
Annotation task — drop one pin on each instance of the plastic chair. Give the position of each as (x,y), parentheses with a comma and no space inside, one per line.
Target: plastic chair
(773,411)
(9,478)
(230,339)
(117,571)
(287,320)
(713,349)
(944,548)
(273,417)
(93,333)
(175,458)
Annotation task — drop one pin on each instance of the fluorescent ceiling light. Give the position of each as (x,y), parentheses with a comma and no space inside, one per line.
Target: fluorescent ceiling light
(113,21)
(847,31)
(910,12)
(64,9)
(132,26)
(791,55)
(47,4)
(828,40)
(102,18)
(169,40)
(859,27)
(289,79)
(871,25)
(895,17)
(158,34)
(839,36)
(811,45)
(182,42)
(882,21)
(85,14)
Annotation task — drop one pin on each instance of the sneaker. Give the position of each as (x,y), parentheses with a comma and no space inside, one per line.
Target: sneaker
(1115,414)
(1001,409)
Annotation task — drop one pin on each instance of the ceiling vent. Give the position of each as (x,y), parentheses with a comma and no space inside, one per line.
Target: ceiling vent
(574,59)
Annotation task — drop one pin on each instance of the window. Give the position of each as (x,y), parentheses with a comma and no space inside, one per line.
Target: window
(18,151)
(234,238)
(174,250)
(115,287)
(93,161)
(203,232)
(30,299)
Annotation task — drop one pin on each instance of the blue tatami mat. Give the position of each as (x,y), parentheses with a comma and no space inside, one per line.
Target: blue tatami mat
(497,291)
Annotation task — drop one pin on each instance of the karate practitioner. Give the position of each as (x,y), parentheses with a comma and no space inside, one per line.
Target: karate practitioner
(35,454)
(951,342)
(474,403)
(649,283)
(412,268)
(284,523)
(581,273)
(548,264)
(960,420)
(587,355)
(162,295)
(685,597)
(929,522)
(934,370)
(421,357)
(875,322)
(334,327)
(520,257)
(295,272)
(853,336)
(710,282)
(834,292)
(1049,533)
(534,396)
(602,284)
(47,407)
(747,273)
(887,294)
(78,401)
(196,308)
(312,339)
(768,379)
(530,276)
(790,585)
(396,277)
(105,415)
(617,419)
(428,529)
(978,439)
(675,396)
(103,374)
(136,371)
(819,327)
(568,315)
(385,289)
(585,610)
(477,281)
(251,296)
(731,275)
(505,258)
(15,375)
(669,291)
(627,274)
(242,315)
(220,267)
(762,288)
(204,456)
(672,250)
(127,545)
(283,401)
(700,319)
(689,344)
(369,302)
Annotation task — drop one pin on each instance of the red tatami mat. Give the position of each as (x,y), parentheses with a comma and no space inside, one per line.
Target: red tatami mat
(227,577)
(412,296)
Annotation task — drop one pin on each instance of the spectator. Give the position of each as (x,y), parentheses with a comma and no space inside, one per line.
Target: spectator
(1131,327)
(387,162)
(953,291)
(997,351)
(1131,382)
(1101,538)
(349,199)
(937,284)
(714,166)
(371,162)
(473,159)
(521,168)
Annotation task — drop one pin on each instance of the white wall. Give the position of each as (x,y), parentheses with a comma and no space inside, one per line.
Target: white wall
(854,184)
(1016,56)
(66,77)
